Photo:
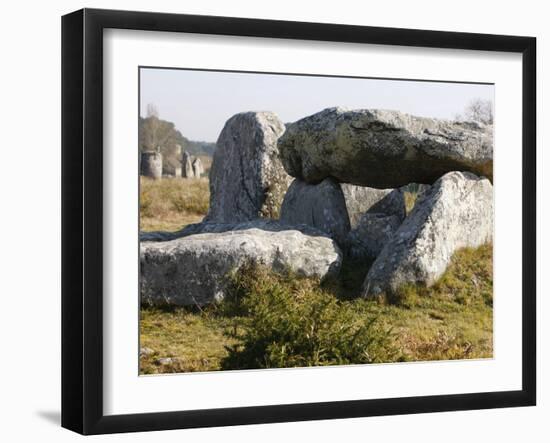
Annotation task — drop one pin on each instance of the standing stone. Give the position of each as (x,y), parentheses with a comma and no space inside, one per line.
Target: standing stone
(151,164)
(247,179)
(455,213)
(177,171)
(322,206)
(383,149)
(198,170)
(186,166)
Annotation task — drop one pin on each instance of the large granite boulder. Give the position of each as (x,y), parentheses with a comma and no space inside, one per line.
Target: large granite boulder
(360,219)
(362,199)
(322,206)
(247,179)
(193,270)
(456,212)
(383,149)
(378,214)
(367,239)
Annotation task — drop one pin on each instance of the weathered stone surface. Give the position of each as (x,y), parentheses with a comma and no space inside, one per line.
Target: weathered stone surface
(456,212)
(151,164)
(193,269)
(322,206)
(375,214)
(198,169)
(247,179)
(367,239)
(362,199)
(383,149)
(186,166)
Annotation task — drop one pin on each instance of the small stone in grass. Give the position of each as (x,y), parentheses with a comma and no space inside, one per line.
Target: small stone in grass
(145,352)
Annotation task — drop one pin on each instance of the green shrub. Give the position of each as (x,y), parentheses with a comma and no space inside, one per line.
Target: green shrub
(284,321)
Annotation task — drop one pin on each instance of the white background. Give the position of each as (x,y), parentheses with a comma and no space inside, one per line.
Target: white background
(30,283)
(126,393)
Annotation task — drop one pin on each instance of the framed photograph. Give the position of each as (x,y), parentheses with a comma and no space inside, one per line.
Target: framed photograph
(269,221)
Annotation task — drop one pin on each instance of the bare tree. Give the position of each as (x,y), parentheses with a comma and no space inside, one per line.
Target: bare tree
(152,110)
(479,110)
(154,132)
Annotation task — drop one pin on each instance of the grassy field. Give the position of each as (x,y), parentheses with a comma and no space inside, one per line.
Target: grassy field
(451,320)
(271,320)
(171,203)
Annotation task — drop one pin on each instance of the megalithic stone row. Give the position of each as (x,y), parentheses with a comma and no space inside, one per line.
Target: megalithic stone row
(456,212)
(247,178)
(383,149)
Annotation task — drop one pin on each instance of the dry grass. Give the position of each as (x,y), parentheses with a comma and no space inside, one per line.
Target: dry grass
(172,203)
(191,341)
(410,200)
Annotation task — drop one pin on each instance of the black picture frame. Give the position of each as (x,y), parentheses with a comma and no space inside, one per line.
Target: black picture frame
(82,218)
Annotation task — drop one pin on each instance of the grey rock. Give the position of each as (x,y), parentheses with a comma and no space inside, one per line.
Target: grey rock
(322,206)
(351,215)
(193,269)
(383,149)
(375,214)
(186,166)
(206,227)
(151,164)
(370,235)
(362,199)
(247,179)
(456,212)
(198,169)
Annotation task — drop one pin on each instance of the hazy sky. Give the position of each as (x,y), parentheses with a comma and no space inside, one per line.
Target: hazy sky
(200,102)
